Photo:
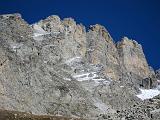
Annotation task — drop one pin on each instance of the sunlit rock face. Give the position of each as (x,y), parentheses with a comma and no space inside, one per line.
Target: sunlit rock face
(101,50)
(71,37)
(132,57)
(56,67)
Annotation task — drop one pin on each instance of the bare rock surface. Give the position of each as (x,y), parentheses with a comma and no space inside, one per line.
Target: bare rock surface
(16,115)
(132,57)
(56,67)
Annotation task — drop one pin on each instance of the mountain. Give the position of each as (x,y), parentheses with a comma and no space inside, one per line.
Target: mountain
(56,67)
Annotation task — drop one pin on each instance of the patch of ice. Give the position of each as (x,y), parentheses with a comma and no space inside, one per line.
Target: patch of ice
(147,94)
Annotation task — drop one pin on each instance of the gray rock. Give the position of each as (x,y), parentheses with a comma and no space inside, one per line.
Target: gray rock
(158,75)
(55,67)
(132,57)
(149,82)
(99,46)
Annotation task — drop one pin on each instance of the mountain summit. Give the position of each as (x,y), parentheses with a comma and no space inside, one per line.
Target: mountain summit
(56,67)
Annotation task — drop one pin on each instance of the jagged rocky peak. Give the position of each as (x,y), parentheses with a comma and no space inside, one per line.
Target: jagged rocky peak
(126,42)
(101,30)
(51,24)
(54,18)
(67,26)
(101,50)
(132,57)
(54,24)
(69,36)
(10,15)
(13,25)
(64,70)
(13,19)
(69,22)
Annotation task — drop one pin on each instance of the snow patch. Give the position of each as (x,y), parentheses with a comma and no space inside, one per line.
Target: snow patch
(15,46)
(147,94)
(68,79)
(85,76)
(38,32)
(98,79)
(91,76)
(45,61)
(38,29)
(72,60)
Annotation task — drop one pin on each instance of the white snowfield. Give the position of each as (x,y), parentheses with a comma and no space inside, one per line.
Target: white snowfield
(147,94)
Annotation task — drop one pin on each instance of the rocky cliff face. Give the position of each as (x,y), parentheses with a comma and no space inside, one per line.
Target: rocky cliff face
(56,67)
(101,50)
(133,58)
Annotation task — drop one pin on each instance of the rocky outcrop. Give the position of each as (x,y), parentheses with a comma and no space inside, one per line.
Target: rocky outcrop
(101,50)
(132,57)
(71,36)
(158,74)
(150,82)
(56,67)
(154,107)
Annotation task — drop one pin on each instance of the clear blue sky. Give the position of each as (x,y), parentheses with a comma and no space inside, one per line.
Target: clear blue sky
(137,19)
